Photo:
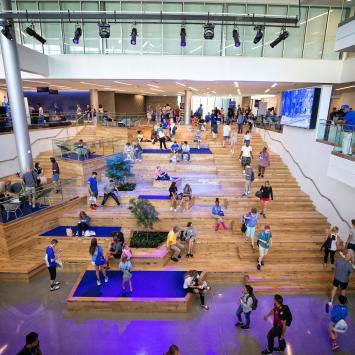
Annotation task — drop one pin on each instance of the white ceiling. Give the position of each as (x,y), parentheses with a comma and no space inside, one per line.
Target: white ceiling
(172,88)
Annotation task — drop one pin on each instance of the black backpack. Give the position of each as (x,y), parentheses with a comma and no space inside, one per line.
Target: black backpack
(288,314)
(254,305)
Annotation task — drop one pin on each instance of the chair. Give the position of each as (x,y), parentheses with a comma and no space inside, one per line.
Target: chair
(81,152)
(44,197)
(15,188)
(12,207)
(64,150)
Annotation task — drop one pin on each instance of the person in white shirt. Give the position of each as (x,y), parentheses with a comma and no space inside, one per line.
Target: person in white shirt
(161,136)
(185,149)
(246,155)
(247,137)
(226,133)
(192,285)
(128,151)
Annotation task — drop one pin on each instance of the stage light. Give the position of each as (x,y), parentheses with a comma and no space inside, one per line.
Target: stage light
(183,37)
(236,38)
(31,32)
(208,31)
(6,30)
(283,35)
(77,34)
(104,30)
(259,34)
(134,35)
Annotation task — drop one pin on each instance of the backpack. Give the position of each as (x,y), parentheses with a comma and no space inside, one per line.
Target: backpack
(288,314)
(252,176)
(254,305)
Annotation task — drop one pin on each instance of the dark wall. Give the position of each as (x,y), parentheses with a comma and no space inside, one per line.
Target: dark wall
(129,103)
(66,100)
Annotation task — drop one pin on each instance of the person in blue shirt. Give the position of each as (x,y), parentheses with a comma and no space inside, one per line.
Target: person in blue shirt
(264,242)
(208,117)
(93,190)
(174,149)
(218,214)
(199,112)
(348,129)
(251,220)
(337,320)
(98,260)
(52,264)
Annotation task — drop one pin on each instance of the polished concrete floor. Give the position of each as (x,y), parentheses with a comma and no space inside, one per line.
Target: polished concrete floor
(31,307)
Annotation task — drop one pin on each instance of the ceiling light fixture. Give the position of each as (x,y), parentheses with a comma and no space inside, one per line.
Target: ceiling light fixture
(183,37)
(266,91)
(32,32)
(236,84)
(153,86)
(6,30)
(345,87)
(259,33)
(121,82)
(181,84)
(192,88)
(77,34)
(208,31)
(104,30)
(282,36)
(235,36)
(273,85)
(134,35)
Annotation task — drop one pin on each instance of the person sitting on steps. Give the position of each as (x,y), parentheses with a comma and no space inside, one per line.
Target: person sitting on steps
(160,174)
(192,285)
(173,244)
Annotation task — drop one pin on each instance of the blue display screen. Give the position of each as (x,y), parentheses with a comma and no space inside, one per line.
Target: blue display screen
(297,107)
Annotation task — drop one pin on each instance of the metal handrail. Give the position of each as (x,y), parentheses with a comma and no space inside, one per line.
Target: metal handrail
(308,178)
(40,139)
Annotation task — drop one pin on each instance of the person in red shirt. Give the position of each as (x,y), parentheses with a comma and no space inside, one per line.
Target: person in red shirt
(279,326)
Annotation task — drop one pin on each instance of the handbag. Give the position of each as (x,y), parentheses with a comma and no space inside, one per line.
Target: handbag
(92,200)
(243,228)
(69,232)
(221,213)
(258,194)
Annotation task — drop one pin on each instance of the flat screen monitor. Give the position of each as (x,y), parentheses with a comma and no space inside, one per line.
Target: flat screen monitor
(300,108)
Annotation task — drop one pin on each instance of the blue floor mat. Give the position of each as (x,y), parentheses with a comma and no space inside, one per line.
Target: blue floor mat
(74,156)
(168,151)
(149,284)
(154,197)
(60,231)
(26,210)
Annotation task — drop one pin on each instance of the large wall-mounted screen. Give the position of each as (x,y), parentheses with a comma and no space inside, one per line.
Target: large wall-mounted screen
(300,107)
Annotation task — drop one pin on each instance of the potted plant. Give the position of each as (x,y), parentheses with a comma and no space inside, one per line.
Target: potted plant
(146,216)
(119,169)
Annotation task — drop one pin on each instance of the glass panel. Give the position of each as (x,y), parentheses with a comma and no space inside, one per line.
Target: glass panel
(294,43)
(271,33)
(69,28)
(114,43)
(171,32)
(250,49)
(27,40)
(52,32)
(151,32)
(127,48)
(230,48)
(92,40)
(316,22)
(333,21)
(213,47)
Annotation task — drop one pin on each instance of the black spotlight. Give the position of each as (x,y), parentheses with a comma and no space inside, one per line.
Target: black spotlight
(236,38)
(77,34)
(283,35)
(183,37)
(6,30)
(259,34)
(104,30)
(31,32)
(208,31)
(134,35)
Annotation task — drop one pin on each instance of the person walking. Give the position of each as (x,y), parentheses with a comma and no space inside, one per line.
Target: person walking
(125,266)
(30,181)
(52,263)
(265,194)
(249,178)
(247,302)
(218,214)
(264,161)
(189,234)
(280,313)
(138,151)
(233,140)
(191,285)
(226,133)
(55,174)
(343,269)
(350,243)
(128,152)
(246,155)
(247,137)
(337,325)
(173,244)
(240,121)
(32,345)
(110,190)
(98,260)
(251,220)
(173,196)
(264,242)
(330,246)
(93,190)
(83,224)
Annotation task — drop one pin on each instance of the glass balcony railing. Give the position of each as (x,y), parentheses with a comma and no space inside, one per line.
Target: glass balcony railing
(341,136)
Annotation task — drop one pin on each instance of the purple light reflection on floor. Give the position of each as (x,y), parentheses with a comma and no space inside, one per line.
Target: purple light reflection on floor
(26,307)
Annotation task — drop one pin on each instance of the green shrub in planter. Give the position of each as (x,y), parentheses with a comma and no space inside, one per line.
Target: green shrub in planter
(127,186)
(145,213)
(147,239)
(118,169)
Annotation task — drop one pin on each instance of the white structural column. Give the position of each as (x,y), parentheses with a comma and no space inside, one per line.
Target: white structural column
(14,89)
(94,98)
(187,106)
